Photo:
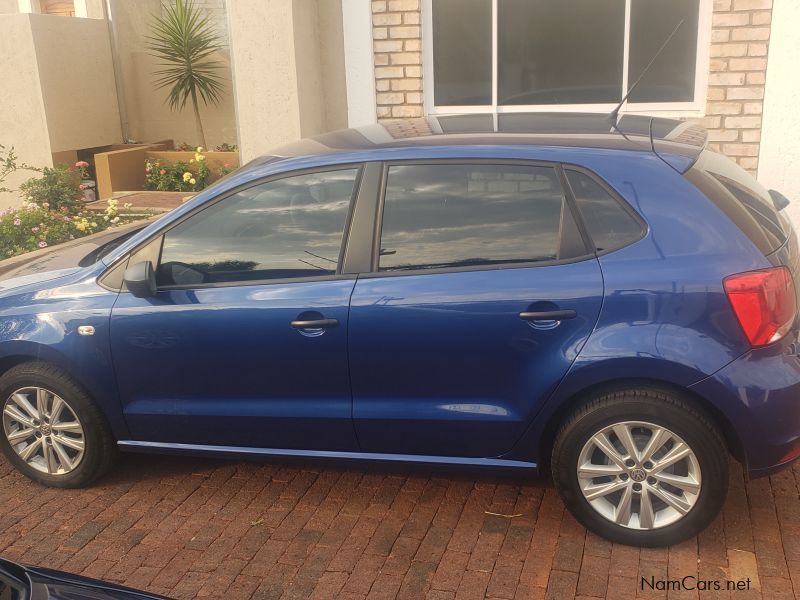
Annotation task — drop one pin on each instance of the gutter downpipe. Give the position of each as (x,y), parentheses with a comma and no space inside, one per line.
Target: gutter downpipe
(120,87)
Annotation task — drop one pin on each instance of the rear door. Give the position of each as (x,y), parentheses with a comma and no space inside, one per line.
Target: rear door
(481,295)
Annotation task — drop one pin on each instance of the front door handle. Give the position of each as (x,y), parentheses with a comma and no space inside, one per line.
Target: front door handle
(548,315)
(315,324)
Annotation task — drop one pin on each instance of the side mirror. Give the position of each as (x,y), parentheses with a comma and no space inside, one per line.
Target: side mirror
(140,279)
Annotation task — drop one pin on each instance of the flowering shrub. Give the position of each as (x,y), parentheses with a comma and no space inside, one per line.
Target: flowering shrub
(33,226)
(82,167)
(57,187)
(9,164)
(180,176)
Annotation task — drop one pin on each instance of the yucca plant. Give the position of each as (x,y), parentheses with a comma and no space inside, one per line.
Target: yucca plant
(184,41)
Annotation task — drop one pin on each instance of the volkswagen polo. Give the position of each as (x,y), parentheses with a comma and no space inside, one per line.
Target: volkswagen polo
(606,300)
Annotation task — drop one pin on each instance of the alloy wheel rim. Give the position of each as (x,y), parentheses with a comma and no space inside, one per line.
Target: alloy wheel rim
(639,475)
(43,430)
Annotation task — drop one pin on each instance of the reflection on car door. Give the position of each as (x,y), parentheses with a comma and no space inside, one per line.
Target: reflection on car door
(245,343)
(483,294)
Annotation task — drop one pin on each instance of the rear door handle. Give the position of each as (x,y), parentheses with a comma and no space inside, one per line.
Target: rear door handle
(315,324)
(548,315)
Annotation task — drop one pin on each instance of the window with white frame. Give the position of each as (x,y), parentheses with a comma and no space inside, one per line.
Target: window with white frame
(515,55)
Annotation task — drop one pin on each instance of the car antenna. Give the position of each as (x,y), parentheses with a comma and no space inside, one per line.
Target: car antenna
(614,114)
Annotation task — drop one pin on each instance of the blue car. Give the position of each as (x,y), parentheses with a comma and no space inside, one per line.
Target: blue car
(35,583)
(605,300)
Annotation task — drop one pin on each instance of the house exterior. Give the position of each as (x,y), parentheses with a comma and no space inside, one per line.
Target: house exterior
(729,66)
(302,67)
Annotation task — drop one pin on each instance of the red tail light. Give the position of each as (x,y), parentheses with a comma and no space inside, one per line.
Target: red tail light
(764,302)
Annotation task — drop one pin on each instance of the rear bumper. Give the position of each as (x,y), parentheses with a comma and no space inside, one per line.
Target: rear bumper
(759,393)
(766,471)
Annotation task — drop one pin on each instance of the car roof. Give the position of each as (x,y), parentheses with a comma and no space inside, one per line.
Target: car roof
(679,143)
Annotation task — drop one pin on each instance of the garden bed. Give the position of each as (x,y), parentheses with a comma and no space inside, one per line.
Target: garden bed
(144,201)
(126,170)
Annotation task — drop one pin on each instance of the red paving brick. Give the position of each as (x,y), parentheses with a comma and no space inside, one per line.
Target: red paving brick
(193,528)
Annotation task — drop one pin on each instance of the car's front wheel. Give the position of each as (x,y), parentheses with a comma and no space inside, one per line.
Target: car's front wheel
(642,467)
(52,431)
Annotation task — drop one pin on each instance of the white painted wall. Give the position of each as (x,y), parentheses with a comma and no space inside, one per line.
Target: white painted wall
(779,163)
(358,58)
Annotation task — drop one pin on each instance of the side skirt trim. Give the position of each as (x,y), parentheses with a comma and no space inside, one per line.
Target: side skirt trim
(140,446)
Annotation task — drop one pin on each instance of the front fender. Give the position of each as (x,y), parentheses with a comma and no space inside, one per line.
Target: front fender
(44,326)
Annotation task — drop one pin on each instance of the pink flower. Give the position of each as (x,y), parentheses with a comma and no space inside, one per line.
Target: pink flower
(82,164)
(42,244)
(67,219)
(34,229)
(83,186)
(163,171)
(17,222)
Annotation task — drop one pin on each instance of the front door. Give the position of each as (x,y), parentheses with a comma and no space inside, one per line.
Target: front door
(483,295)
(245,342)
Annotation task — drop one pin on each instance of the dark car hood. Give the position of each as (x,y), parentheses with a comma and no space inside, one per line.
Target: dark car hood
(56,585)
(64,259)
(46,584)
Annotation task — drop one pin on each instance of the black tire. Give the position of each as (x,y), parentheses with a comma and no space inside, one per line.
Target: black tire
(100,448)
(665,409)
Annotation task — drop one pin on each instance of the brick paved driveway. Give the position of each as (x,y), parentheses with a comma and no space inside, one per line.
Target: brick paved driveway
(198,528)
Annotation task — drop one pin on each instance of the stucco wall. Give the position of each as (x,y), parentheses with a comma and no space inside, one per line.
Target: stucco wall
(264,73)
(332,64)
(77,81)
(148,116)
(287,87)
(9,6)
(779,167)
(359,63)
(22,118)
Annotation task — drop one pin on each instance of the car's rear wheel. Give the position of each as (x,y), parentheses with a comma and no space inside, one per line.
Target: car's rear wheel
(642,467)
(52,431)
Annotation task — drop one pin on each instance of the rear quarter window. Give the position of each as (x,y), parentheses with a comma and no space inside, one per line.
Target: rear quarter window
(610,225)
(745,201)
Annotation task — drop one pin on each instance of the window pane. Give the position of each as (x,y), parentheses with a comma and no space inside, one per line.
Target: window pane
(671,78)
(462,52)
(609,224)
(560,52)
(461,215)
(745,201)
(287,228)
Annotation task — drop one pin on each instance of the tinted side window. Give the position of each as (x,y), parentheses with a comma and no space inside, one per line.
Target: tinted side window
(609,224)
(746,202)
(448,215)
(292,227)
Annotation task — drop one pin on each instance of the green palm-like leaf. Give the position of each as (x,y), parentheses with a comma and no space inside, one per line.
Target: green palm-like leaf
(184,42)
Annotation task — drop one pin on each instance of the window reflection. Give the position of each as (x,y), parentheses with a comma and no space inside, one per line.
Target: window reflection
(462,52)
(671,78)
(281,229)
(608,223)
(449,215)
(565,52)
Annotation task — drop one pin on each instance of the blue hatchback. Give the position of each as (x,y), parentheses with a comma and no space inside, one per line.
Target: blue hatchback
(606,300)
